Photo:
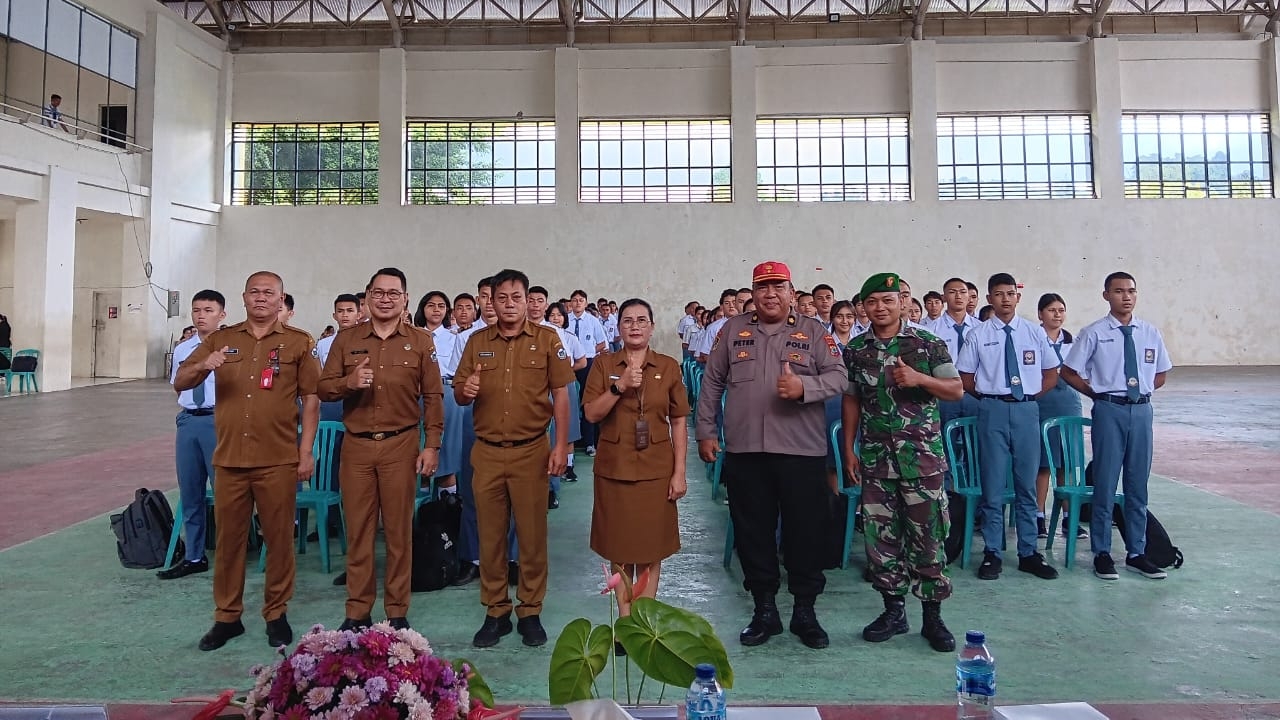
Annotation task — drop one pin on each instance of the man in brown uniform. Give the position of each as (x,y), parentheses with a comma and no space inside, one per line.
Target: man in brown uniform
(262,368)
(509,370)
(380,370)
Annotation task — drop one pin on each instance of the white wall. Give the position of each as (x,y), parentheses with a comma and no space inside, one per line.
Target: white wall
(672,253)
(305,87)
(6,268)
(97,268)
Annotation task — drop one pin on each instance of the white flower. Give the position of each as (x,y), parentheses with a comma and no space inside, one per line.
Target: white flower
(416,641)
(400,653)
(407,694)
(353,700)
(421,710)
(319,697)
(464,700)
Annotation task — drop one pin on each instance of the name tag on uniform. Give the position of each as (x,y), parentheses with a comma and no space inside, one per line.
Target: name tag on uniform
(486,354)
(1028,357)
(1150,356)
(359,352)
(232,351)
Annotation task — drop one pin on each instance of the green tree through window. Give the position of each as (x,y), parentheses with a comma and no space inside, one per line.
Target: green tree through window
(304,164)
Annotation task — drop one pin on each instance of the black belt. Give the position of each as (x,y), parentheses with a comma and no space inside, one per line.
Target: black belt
(1124,399)
(385,434)
(200,412)
(1008,398)
(511,443)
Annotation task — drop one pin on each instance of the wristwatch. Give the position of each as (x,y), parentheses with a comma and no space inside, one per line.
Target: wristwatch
(613,388)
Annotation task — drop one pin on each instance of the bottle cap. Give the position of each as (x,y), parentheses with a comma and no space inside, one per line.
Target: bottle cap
(705,671)
(975,637)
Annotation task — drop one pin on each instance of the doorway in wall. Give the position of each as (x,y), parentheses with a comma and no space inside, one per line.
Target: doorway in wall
(113,123)
(106,334)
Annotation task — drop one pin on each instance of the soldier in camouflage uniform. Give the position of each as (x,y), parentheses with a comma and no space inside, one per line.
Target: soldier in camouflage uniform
(897,374)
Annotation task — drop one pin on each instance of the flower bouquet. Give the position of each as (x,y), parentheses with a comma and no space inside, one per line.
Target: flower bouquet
(378,674)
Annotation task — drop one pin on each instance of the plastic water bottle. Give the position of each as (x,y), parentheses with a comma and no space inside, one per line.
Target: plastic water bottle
(975,679)
(705,699)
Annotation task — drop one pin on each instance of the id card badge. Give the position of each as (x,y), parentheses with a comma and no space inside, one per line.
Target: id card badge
(268,377)
(642,434)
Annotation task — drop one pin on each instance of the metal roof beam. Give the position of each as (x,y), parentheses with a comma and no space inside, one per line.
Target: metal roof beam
(569,17)
(219,17)
(1099,14)
(1273,22)
(744,13)
(397,35)
(917,19)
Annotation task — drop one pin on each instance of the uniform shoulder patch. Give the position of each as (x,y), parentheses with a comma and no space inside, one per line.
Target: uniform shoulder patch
(561,354)
(831,346)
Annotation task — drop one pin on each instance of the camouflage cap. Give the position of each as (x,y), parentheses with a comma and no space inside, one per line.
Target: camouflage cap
(881,282)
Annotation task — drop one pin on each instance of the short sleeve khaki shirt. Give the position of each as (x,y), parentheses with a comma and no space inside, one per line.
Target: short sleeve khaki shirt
(517,375)
(665,401)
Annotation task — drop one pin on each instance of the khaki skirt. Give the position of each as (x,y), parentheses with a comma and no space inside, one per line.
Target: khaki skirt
(633,522)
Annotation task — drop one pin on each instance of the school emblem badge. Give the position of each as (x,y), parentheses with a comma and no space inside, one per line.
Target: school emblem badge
(1015,381)
(561,354)
(1028,357)
(1149,356)
(1133,382)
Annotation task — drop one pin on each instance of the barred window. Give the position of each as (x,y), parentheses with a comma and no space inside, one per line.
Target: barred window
(481,162)
(1010,157)
(658,161)
(304,163)
(1196,155)
(817,159)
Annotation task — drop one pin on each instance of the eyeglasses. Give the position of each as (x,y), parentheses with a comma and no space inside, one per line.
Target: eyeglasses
(634,322)
(388,294)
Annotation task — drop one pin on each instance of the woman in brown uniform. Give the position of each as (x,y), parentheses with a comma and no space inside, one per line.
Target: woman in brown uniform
(639,400)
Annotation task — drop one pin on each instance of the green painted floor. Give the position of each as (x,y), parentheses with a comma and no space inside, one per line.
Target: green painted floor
(75,625)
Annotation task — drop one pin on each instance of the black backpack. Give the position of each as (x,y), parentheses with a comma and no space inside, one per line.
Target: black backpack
(1160,549)
(24,363)
(143,531)
(435,549)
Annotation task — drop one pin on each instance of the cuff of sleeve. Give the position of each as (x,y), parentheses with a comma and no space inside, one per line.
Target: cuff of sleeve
(433,441)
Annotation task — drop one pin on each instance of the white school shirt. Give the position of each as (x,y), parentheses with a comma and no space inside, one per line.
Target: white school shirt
(187,398)
(945,328)
(686,321)
(570,343)
(1063,346)
(983,356)
(322,348)
(450,368)
(590,331)
(709,337)
(443,338)
(693,337)
(1098,355)
(611,329)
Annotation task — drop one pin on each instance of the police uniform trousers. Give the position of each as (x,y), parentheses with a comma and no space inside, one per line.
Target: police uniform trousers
(273,490)
(1009,442)
(906,524)
(1122,441)
(193,453)
(762,487)
(378,478)
(511,484)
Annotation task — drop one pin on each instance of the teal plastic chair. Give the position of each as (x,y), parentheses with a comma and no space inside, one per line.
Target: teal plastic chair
(321,496)
(7,373)
(966,474)
(854,493)
(176,535)
(23,377)
(1073,489)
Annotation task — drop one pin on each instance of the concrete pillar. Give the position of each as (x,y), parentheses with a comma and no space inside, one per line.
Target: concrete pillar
(568,176)
(391,133)
(1271,57)
(44,277)
(742,121)
(222,161)
(922,106)
(1104,118)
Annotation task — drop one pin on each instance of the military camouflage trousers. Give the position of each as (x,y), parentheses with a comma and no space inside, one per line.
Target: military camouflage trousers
(906,523)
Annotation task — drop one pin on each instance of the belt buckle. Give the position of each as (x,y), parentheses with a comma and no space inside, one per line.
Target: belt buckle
(379,436)
(508,444)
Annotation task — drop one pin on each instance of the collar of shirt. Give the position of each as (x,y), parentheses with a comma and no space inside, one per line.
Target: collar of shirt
(526,328)
(1015,323)
(1114,323)
(792,319)
(620,358)
(276,327)
(366,330)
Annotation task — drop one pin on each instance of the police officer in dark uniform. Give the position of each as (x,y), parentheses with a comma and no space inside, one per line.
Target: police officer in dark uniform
(782,368)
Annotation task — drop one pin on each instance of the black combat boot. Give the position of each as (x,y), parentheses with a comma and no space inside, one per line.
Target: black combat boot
(804,624)
(934,630)
(893,621)
(765,622)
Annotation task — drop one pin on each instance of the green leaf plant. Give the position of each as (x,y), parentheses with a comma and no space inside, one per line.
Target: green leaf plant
(664,642)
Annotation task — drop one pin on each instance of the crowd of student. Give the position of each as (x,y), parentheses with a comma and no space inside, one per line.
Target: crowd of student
(484,433)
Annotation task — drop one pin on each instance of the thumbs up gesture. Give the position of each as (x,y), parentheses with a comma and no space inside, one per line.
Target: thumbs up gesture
(631,377)
(472,388)
(215,359)
(905,375)
(361,377)
(789,385)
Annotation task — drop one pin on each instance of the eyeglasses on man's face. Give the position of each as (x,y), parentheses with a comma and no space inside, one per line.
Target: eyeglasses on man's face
(378,294)
(634,322)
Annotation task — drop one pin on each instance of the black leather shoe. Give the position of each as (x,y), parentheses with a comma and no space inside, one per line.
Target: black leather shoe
(531,631)
(893,621)
(220,633)
(804,625)
(552,502)
(469,573)
(513,574)
(398,623)
(934,630)
(341,579)
(279,633)
(990,567)
(355,625)
(765,623)
(184,568)
(570,475)
(492,631)
(1035,564)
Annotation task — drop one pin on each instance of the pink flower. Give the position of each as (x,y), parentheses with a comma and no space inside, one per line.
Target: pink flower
(400,653)
(641,583)
(611,582)
(352,700)
(319,697)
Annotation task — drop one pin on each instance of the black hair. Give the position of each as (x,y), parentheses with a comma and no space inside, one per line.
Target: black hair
(564,314)
(985,312)
(962,281)
(1000,279)
(509,275)
(635,301)
(933,295)
(694,303)
(578,293)
(55,96)
(464,296)
(288,301)
(485,282)
(857,298)
(360,296)
(209,296)
(727,293)
(841,305)
(916,302)
(742,290)
(391,272)
(346,297)
(1048,299)
(823,286)
(969,285)
(1106,284)
(538,289)
(420,317)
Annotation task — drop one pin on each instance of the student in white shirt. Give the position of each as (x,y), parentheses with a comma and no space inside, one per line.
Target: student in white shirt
(590,332)
(432,316)
(729,307)
(1061,401)
(555,316)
